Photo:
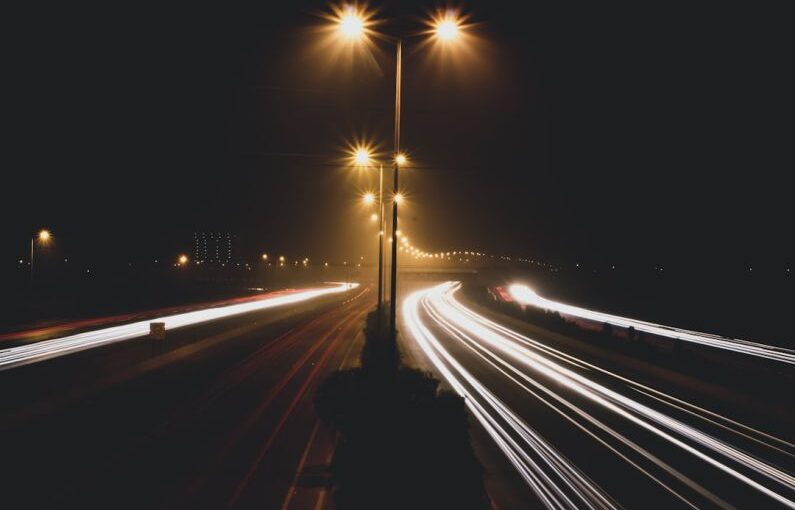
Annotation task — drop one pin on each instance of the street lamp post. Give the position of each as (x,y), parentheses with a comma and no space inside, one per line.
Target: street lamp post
(380,238)
(352,25)
(393,279)
(362,157)
(44,237)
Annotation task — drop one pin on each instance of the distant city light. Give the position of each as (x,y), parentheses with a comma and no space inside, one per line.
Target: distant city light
(44,236)
(264,256)
(373,217)
(183,259)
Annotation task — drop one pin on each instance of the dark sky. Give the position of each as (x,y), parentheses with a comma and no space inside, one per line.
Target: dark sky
(644,132)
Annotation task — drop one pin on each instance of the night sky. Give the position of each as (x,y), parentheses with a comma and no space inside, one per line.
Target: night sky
(637,132)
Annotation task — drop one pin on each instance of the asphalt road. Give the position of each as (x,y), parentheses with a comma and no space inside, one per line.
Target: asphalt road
(561,424)
(220,415)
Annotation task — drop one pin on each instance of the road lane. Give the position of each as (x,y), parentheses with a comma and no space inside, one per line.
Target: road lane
(584,437)
(47,349)
(218,427)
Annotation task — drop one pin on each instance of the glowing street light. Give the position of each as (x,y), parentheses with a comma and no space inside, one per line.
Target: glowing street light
(182,260)
(399,198)
(351,24)
(264,256)
(361,156)
(43,236)
(446,29)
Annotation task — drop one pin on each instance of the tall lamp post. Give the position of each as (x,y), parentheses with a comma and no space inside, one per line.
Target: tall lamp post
(380,238)
(352,25)
(43,236)
(362,157)
(393,276)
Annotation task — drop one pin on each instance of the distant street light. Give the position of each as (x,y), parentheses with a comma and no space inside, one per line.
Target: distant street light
(43,237)
(401,160)
(264,256)
(361,156)
(182,260)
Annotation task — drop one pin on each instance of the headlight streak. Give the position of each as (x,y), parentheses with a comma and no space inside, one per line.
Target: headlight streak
(692,409)
(489,358)
(47,349)
(531,471)
(494,343)
(523,295)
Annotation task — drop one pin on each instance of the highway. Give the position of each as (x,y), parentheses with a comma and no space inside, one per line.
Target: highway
(219,416)
(580,428)
(526,296)
(40,351)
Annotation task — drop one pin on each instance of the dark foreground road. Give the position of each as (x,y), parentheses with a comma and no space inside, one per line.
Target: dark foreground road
(563,424)
(221,417)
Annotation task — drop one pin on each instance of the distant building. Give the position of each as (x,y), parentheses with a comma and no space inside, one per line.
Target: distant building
(213,247)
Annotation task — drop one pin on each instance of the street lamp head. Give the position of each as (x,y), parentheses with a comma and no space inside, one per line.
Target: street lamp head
(399,198)
(401,159)
(264,256)
(44,236)
(361,156)
(447,28)
(368,198)
(351,24)
(183,259)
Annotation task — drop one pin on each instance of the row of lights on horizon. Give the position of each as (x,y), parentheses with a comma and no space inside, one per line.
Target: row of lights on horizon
(44,237)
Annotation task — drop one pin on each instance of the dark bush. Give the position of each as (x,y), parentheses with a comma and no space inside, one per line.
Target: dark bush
(401,442)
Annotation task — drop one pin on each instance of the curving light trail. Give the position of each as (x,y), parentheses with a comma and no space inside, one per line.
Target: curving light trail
(617,412)
(526,296)
(47,349)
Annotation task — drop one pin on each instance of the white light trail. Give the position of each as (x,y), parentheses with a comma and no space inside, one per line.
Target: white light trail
(526,296)
(557,482)
(554,378)
(47,349)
